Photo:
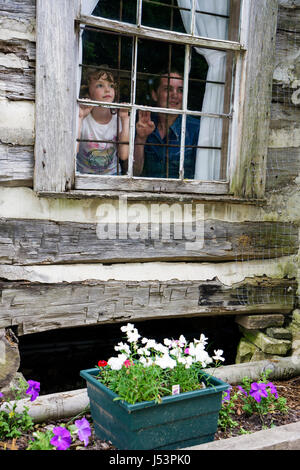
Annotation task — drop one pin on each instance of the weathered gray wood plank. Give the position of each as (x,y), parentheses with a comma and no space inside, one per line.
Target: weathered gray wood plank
(173,36)
(283,167)
(19,84)
(289,15)
(25,242)
(56,93)
(255,97)
(39,307)
(18,9)
(88,182)
(16,165)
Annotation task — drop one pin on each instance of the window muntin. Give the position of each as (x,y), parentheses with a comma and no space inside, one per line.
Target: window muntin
(128,49)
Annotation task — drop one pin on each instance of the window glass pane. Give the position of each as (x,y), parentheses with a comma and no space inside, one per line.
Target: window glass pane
(212,148)
(162,148)
(121,10)
(162,14)
(103,139)
(112,50)
(207,83)
(211,18)
(103,132)
(156,73)
(197,81)
(211,26)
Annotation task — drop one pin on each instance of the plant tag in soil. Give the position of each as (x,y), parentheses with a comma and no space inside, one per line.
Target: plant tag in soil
(175,389)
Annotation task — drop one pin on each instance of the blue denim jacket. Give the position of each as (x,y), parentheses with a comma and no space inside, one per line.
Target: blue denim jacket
(155,156)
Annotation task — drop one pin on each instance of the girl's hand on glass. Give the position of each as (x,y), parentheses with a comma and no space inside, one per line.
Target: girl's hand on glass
(123,112)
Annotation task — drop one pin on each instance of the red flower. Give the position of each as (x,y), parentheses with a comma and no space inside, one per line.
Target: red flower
(102,363)
(127,363)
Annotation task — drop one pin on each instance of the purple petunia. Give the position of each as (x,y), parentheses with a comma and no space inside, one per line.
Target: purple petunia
(33,389)
(242,390)
(1,395)
(258,390)
(226,395)
(62,438)
(84,430)
(273,389)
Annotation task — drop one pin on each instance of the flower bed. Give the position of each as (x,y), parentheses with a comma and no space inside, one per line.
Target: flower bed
(289,389)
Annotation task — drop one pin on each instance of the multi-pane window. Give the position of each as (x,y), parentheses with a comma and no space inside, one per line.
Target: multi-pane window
(166,69)
(209,121)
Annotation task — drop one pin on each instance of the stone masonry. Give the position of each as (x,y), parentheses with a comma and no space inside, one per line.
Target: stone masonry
(268,336)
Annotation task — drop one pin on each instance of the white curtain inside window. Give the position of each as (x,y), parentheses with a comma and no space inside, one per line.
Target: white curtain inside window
(208,161)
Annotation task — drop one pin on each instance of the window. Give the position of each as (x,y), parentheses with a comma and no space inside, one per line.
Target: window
(206,50)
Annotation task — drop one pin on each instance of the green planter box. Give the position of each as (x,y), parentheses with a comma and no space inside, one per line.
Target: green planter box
(182,420)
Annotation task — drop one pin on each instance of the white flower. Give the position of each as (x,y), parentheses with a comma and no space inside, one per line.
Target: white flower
(203,340)
(123,347)
(175,352)
(151,343)
(188,362)
(127,327)
(133,335)
(143,351)
(182,341)
(218,355)
(167,342)
(160,348)
(116,363)
(146,361)
(165,361)
(202,356)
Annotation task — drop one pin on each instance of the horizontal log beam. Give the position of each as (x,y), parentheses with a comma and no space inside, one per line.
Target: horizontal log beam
(25,242)
(34,307)
(16,165)
(279,172)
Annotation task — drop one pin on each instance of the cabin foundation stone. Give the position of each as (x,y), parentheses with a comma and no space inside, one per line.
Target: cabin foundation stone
(266,343)
(279,333)
(254,322)
(9,357)
(267,337)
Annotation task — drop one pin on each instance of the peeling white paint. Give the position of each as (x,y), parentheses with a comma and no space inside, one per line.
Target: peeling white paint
(17,29)
(23,203)
(17,121)
(228,273)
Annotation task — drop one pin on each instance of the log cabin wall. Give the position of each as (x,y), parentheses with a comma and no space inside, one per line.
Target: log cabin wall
(56,273)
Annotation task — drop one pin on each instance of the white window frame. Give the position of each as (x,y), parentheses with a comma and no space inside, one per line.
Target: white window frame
(58,24)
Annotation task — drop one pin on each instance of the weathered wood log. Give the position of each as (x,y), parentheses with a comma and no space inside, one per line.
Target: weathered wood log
(9,357)
(18,9)
(288,15)
(279,172)
(36,307)
(282,368)
(26,242)
(53,406)
(16,165)
(19,85)
(70,403)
